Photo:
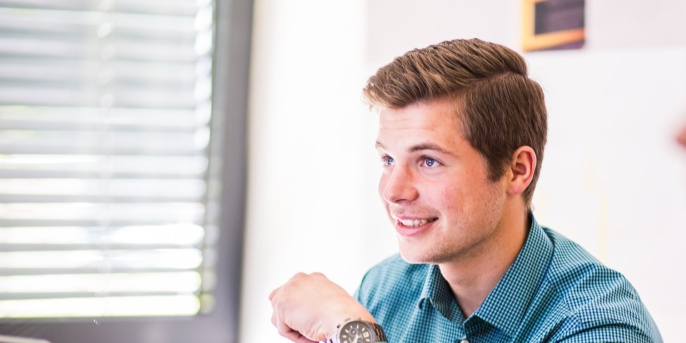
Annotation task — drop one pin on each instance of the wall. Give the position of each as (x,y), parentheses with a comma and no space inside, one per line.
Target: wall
(311,149)
(611,178)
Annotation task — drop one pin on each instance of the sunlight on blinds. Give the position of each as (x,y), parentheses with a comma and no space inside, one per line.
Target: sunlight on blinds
(107,195)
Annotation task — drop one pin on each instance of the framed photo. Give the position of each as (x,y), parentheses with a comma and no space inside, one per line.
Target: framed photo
(553,24)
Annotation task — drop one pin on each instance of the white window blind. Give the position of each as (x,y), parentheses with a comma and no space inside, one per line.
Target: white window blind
(106,191)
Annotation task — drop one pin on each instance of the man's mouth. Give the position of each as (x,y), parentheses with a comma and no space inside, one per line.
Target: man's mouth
(416,222)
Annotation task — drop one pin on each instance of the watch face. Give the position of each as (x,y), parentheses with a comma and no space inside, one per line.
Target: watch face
(356,332)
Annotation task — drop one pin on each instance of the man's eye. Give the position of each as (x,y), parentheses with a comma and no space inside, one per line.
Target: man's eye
(387,160)
(430,162)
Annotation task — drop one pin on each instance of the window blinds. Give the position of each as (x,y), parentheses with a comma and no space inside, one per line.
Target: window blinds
(106,196)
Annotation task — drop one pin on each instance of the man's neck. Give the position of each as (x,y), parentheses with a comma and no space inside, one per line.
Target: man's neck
(473,278)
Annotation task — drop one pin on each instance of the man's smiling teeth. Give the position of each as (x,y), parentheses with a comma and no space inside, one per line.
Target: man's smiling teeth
(414,222)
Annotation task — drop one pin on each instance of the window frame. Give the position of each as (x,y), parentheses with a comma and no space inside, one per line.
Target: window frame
(233,20)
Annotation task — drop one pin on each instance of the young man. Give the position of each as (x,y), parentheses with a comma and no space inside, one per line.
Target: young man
(461,137)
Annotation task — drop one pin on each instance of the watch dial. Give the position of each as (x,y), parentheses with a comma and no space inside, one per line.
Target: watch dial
(355,332)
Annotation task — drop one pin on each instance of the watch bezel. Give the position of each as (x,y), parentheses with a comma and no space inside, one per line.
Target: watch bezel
(378,335)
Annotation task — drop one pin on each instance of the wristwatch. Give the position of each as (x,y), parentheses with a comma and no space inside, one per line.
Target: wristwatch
(358,331)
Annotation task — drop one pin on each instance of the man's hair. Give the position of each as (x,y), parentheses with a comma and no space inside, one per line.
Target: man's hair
(501,108)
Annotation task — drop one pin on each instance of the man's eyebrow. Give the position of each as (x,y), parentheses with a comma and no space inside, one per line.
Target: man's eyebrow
(428,146)
(420,147)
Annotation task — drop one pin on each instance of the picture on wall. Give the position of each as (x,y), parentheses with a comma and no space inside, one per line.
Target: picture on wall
(553,24)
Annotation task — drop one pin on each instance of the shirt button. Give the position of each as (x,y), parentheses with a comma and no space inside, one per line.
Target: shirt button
(464,341)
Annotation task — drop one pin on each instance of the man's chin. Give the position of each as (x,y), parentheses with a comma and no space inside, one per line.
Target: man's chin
(414,258)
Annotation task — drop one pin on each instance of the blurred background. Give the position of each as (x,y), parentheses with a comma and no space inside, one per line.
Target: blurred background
(166,165)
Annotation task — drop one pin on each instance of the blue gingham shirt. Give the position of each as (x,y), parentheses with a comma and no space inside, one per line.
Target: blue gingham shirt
(555,291)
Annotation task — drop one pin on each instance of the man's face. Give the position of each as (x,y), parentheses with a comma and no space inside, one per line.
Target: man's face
(435,185)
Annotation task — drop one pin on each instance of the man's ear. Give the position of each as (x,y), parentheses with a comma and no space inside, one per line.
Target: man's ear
(522,169)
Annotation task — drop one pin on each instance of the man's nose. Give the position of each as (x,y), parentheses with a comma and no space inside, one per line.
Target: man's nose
(399,185)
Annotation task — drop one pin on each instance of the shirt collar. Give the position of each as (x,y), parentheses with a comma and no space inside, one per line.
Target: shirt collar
(514,291)
(518,287)
(437,292)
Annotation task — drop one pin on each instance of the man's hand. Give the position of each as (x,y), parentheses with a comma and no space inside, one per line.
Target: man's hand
(308,308)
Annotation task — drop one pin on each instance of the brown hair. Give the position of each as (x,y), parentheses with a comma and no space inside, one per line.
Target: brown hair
(502,109)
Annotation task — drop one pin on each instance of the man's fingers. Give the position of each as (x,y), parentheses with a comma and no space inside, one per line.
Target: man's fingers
(273,293)
(304,339)
(286,331)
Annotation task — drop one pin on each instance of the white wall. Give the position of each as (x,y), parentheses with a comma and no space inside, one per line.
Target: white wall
(312,164)
(611,178)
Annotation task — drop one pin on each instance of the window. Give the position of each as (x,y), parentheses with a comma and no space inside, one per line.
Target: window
(121,168)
